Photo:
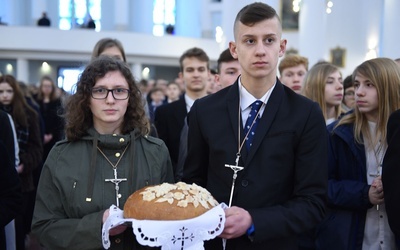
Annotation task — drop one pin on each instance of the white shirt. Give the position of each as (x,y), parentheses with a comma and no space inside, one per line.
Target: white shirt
(246,99)
(189,102)
(329,121)
(377,233)
(16,146)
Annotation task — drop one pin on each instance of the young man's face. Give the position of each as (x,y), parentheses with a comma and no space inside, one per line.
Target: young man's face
(173,91)
(228,73)
(258,48)
(195,74)
(348,98)
(157,97)
(293,77)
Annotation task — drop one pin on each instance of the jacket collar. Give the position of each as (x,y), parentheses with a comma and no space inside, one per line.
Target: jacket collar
(108,141)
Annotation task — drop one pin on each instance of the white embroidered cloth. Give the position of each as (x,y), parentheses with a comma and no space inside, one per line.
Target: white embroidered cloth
(170,235)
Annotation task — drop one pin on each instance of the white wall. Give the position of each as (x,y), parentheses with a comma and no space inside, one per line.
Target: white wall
(43,43)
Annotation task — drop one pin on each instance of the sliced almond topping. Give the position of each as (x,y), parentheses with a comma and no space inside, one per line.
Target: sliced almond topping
(181,192)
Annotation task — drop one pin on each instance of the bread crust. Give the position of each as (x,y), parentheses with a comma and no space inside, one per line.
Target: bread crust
(178,201)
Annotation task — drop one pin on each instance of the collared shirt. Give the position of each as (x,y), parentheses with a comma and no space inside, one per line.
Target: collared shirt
(189,102)
(246,99)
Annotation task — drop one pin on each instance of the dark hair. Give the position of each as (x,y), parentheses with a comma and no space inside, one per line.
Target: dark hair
(105,43)
(20,107)
(156,89)
(143,82)
(224,57)
(79,117)
(348,82)
(197,53)
(254,13)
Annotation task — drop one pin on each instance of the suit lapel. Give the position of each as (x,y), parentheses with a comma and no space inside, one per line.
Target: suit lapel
(266,120)
(181,111)
(232,105)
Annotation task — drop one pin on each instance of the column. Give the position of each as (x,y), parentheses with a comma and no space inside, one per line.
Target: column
(141,16)
(312,31)
(136,69)
(52,9)
(188,19)
(5,11)
(209,18)
(121,16)
(22,71)
(38,7)
(389,36)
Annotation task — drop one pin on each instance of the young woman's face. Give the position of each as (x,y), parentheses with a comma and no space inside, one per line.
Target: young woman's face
(47,87)
(334,89)
(108,113)
(6,93)
(366,97)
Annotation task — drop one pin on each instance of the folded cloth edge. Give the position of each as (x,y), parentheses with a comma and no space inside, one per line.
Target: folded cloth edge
(168,234)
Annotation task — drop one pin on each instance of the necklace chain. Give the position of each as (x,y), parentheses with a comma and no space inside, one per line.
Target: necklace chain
(116,164)
(378,154)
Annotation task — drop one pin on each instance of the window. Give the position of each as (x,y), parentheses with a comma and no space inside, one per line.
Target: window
(163,17)
(76,13)
(68,77)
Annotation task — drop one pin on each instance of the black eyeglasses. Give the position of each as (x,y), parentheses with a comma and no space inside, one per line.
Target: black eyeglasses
(118,94)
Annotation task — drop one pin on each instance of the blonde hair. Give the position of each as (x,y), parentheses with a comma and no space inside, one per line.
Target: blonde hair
(384,73)
(314,86)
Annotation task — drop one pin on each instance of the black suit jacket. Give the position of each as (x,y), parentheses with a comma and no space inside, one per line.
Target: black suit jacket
(10,187)
(169,120)
(284,181)
(391,173)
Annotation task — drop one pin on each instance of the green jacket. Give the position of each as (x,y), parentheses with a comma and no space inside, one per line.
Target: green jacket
(75,173)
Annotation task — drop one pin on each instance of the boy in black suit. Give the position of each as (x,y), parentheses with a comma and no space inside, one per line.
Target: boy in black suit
(279,154)
(170,119)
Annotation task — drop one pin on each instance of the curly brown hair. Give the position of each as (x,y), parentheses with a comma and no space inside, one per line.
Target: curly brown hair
(78,115)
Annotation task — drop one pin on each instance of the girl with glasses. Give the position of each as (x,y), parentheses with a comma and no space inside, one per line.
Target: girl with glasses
(107,155)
